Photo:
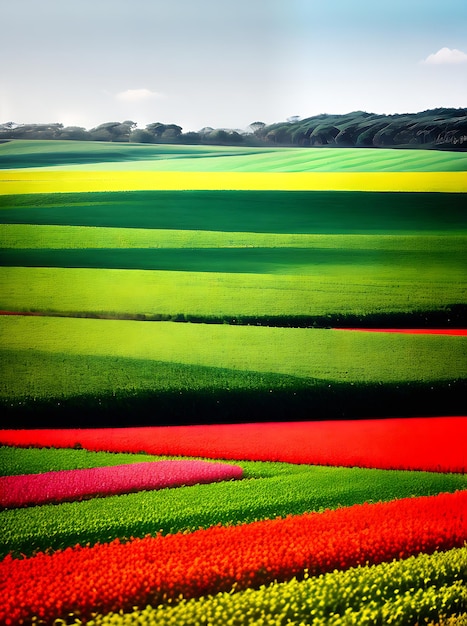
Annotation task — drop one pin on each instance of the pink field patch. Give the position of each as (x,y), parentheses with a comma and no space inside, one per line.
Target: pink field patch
(420,443)
(30,489)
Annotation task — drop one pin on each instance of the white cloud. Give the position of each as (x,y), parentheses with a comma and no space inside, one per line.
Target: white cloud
(446,56)
(138,95)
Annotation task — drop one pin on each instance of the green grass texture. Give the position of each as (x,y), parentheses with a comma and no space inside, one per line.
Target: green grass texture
(402,265)
(313,212)
(333,290)
(74,155)
(331,355)
(32,374)
(44,389)
(36,236)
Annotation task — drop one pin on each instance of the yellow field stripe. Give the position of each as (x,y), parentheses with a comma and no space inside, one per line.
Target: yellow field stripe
(43,181)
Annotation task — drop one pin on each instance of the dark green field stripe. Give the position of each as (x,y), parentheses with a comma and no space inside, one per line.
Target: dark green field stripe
(245,211)
(77,391)
(79,153)
(232,260)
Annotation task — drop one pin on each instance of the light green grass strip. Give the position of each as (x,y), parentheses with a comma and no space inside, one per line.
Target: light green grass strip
(308,353)
(29,376)
(111,156)
(15,461)
(330,289)
(267,491)
(64,237)
(407,592)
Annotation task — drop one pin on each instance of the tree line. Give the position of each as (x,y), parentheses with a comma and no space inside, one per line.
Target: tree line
(441,128)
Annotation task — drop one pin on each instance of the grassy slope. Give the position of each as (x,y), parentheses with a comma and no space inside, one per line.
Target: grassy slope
(110,156)
(306,353)
(245,211)
(393,272)
(101,371)
(37,236)
(44,389)
(318,253)
(400,264)
(332,291)
(125,168)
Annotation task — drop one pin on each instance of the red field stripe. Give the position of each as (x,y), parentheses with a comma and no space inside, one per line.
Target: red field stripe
(110,577)
(430,444)
(26,489)
(459,332)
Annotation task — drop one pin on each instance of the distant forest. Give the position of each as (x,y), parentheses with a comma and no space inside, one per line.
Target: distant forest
(442,128)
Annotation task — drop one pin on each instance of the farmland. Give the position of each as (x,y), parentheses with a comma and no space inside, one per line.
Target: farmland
(394,538)
(63,485)
(260,248)
(172,315)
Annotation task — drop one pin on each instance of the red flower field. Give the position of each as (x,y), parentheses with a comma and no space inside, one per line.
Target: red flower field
(114,576)
(430,444)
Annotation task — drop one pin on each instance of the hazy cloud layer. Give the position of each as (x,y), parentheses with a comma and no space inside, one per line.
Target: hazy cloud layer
(446,56)
(137,95)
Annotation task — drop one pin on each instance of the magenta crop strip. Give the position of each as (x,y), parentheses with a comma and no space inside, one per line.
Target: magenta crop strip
(27,489)
(115,576)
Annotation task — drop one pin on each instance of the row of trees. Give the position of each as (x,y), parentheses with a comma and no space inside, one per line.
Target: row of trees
(435,128)
(126,131)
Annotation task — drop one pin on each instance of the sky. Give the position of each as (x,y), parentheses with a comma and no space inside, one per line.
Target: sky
(227,63)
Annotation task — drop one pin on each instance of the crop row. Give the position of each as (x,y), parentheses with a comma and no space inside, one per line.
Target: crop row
(42,389)
(114,576)
(247,211)
(403,592)
(15,182)
(32,236)
(268,490)
(306,353)
(33,489)
(376,443)
(333,290)
(377,264)
(79,155)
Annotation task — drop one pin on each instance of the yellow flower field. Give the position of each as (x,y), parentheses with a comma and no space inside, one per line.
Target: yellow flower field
(59,181)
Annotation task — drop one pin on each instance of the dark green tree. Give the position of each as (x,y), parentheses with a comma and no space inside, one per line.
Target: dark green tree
(113,131)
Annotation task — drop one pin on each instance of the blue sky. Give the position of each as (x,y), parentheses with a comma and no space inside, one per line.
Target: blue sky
(227,63)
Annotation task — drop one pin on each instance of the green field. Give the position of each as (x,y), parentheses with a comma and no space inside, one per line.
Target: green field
(268,254)
(259,271)
(333,355)
(318,212)
(204,372)
(94,156)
